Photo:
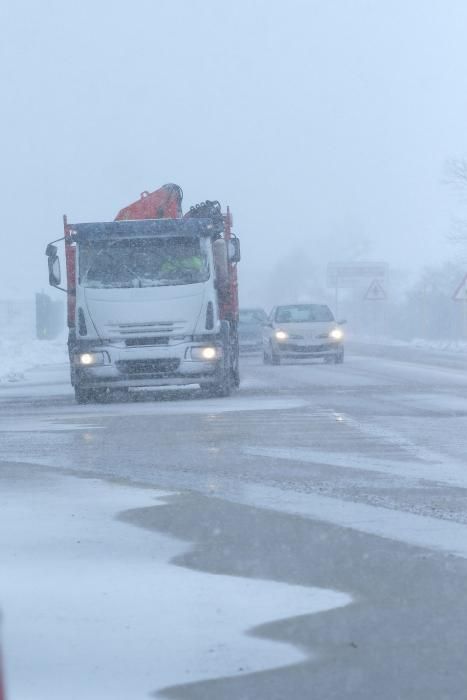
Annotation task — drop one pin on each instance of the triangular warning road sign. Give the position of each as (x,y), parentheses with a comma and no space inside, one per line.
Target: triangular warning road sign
(461,292)
(375,292)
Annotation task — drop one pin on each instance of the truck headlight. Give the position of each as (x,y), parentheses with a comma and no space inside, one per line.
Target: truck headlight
(88,359)
(336,334)
(281,335)
(208,352)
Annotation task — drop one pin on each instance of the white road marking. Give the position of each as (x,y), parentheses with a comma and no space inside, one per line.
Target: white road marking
(452,474)
(28,425)
(429,533)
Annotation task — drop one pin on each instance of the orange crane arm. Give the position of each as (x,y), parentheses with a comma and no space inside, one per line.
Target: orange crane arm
(164,203)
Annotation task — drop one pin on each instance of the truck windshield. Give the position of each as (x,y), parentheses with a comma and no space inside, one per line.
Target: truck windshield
(143,263)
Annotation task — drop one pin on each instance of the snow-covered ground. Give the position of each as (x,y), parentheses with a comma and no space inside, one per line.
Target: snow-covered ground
(95,608)
(23,352)
(20,350)
(446,345)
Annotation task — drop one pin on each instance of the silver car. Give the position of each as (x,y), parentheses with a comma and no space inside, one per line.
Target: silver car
(302,331)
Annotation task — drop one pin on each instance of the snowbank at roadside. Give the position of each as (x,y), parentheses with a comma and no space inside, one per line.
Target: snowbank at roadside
(444,345)
(454,346)
(20,350)
(21,353)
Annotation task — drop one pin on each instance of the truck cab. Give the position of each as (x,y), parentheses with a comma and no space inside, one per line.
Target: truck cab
(150,305)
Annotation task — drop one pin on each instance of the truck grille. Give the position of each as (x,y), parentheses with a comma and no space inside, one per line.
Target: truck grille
(145,327)
(134,342)
(148,368)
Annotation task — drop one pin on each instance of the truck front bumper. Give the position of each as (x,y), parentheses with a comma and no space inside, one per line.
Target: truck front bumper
(144,366)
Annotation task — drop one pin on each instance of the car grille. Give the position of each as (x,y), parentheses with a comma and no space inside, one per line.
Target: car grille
(290,347)
(149,368)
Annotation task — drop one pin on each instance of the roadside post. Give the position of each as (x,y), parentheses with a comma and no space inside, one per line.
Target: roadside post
(376,292)
(460,294)
(2,680)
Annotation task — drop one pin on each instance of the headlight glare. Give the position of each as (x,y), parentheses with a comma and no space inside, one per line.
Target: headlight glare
(87,359)
(209,352)
(281,335)
(336,334)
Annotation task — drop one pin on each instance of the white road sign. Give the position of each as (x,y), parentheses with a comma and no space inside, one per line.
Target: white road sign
(375,292)
(349,274)
(461,292)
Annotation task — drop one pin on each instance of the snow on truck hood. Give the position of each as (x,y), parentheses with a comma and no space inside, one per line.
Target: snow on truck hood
(122,313)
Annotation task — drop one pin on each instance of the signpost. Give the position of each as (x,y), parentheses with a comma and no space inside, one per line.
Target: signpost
(460,294)
(351,274)
(461,291)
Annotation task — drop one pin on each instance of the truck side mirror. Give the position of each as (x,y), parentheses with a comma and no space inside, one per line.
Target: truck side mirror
(234,250)
(55,276)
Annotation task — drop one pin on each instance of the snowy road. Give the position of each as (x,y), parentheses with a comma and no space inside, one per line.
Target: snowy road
(335,493)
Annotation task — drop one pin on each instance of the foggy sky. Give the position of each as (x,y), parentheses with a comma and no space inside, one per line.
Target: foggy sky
(324,124)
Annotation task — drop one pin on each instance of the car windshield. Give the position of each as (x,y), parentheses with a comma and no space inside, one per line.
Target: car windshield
(143,262)
(303,313)
(252,316)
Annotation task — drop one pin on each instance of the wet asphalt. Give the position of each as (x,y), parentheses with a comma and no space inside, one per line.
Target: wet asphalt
(404,635)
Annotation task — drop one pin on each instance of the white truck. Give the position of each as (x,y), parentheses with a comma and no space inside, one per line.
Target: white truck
(152,298)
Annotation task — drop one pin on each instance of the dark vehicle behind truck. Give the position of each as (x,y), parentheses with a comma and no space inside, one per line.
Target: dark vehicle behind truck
(250,329)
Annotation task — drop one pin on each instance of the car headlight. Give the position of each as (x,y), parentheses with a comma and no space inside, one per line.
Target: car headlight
(281,335)
(88,359)
(209,352)
(336,334)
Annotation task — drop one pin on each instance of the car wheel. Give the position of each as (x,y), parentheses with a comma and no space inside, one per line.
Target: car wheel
(340,357)
(266,358)
(275,358)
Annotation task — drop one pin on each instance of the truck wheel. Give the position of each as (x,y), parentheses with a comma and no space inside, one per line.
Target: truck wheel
(121,394)
(217,390)
(235,364)
(236,375)
(90,395)
(83,395)
(266,358)
(225,380)
(223,387)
